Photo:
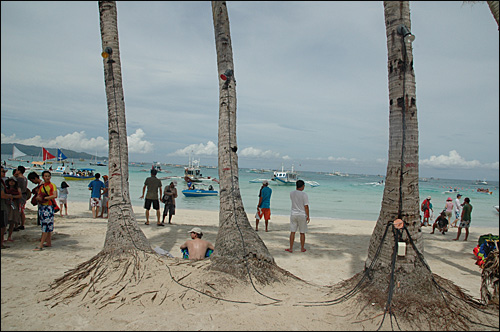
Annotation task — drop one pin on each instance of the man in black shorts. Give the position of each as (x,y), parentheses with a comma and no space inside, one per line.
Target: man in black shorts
(153,184)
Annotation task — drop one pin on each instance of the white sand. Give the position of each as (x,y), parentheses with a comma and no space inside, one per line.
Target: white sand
(336,250)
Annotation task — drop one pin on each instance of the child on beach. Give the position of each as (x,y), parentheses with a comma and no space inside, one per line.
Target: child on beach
(63,197)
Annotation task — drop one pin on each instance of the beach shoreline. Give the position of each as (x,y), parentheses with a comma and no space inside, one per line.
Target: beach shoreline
(336,251)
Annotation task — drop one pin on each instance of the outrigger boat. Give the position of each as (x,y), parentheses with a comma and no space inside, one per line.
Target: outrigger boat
(81,174)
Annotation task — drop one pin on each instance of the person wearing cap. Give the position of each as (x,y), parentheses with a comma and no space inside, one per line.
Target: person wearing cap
(465,219)
(197,248)
(426,208)
(154,185)
(169,196)
(264,205)
(448,208)
(457,207)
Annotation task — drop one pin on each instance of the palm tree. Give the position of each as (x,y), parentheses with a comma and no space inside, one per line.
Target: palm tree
(237,244)
(125,246)
(405,284)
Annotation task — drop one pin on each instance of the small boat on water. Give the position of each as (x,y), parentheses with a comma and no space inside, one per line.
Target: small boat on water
(199,192)
(285,177)
(80,174)
(484,191)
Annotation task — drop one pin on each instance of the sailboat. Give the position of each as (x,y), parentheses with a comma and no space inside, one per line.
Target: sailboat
(95,162)
(16,154)
(61,169)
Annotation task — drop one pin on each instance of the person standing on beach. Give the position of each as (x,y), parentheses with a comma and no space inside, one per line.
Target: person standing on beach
(426,208)
(465,219)
(47,193)
(22,181)
(96,186)
(154,185)
(457,207)
(14,215)
(169,196)
(264,205)
(63,197)
(105,196)
(299,216)
(35,179)
(4,209)
(449,209)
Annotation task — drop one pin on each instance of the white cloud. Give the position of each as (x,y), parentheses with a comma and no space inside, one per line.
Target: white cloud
(78,142)
(341,159)
(197,149)
(453,159)
(137,144)
(258,153)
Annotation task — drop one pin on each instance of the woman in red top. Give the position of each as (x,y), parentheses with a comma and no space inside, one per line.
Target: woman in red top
(47,193)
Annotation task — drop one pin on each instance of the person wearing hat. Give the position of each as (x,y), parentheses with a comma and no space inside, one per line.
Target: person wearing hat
(264,205)
(457,207)
(196,247)
(426,208)
(169,196)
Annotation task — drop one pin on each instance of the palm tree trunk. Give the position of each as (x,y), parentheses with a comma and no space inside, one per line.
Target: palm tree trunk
(123,232)
(401,194)
(237,243)
(494,10)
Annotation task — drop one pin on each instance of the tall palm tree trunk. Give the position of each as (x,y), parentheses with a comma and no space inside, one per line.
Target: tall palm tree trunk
(123,232)
(401,193)
(237,244)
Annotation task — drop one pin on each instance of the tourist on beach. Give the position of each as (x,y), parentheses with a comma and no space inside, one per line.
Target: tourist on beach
(465,219)
(96,186)
(63,197)
(35,179)
(264,205)
(457,207)
(441,223)
(426,208)
(4,209)
(47,194)
(449,208)
(14,215)
(105,197)
(22,181)
(154,185)
(169,196)
(299,215)
(197,248)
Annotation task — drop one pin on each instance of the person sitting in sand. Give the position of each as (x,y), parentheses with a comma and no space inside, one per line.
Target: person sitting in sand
(441,223)
(197,248)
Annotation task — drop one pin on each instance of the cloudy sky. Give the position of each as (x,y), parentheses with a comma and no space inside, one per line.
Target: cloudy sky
(311,83)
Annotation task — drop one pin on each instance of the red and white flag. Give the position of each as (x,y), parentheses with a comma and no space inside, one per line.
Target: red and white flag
(47,155)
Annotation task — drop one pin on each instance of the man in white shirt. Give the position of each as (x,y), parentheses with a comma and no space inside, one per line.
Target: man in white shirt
(457,207)
(299,216)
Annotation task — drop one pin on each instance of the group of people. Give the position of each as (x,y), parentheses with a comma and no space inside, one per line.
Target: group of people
(153,194)
(461,211)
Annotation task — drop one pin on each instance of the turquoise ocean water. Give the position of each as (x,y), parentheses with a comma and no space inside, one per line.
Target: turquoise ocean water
(355,196)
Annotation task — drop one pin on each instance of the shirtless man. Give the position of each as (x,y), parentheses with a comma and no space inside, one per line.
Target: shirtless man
(197,247)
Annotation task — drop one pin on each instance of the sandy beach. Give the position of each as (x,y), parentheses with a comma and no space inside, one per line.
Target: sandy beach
(336,250)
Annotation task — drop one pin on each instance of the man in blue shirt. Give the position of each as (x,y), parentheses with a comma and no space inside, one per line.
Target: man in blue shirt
(264,206)
(96,186)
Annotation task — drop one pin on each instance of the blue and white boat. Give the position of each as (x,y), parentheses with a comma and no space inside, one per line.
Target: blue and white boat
(199,192)
(285,177)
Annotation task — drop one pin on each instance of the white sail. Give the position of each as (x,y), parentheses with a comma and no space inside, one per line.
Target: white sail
(16,153)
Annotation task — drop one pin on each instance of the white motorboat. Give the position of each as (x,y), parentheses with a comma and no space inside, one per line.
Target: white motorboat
(285,177)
